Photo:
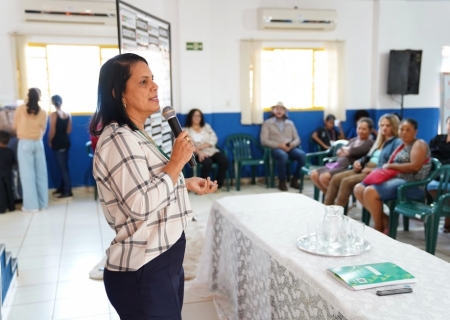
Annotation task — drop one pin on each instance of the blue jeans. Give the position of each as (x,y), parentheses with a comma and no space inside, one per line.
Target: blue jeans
(33,174)
(282,157)
(434,186)
(62,161)
(388,190)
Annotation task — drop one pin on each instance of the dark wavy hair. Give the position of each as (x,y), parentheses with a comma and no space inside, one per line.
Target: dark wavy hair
(361,114)
(113,77)
(189,117)
(34,96)
(57,100)
(411,122)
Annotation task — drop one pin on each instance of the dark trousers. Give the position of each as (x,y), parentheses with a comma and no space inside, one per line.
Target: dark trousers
(62,161)
(281,157)
(6,194)
(155,291)
(222,163)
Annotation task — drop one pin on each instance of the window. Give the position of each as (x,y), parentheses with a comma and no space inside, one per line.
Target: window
(70,71)
(297,77)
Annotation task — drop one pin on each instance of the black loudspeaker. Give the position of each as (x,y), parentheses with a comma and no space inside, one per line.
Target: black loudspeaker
(404,71)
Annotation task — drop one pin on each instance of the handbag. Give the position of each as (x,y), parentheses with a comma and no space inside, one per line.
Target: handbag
(380,175)
(332,165)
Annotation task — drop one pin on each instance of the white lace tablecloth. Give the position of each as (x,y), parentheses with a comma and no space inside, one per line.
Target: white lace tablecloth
(251,266)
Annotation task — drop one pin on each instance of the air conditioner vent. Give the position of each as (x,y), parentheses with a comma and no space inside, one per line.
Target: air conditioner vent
(297,19)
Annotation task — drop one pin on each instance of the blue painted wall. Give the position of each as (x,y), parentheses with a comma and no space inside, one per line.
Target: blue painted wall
(225,124)
(80,165)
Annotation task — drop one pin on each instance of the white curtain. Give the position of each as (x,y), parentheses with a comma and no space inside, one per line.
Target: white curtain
(336,79)
(20,44)
(251,109)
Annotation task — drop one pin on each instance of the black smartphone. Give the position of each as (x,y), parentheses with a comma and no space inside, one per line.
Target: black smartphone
(394,291)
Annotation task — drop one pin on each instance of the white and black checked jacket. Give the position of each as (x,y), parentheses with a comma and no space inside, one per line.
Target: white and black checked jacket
(140,202)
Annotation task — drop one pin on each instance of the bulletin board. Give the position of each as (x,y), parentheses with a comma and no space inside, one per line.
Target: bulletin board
(148,36)
(445,100)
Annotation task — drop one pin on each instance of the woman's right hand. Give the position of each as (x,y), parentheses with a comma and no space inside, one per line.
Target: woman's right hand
(182,149)
(357,166)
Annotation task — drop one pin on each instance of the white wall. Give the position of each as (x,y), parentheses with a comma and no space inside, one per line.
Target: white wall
(421,25)
(210,77)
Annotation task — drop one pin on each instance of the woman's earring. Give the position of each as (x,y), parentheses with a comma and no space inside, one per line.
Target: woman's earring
(124,105)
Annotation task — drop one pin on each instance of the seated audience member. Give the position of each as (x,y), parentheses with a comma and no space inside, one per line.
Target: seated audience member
(326,135)
(342,184)
(205,141)
(279,134)
(355,149)
(7,161)
(412,160)
(358,116)
(440,149)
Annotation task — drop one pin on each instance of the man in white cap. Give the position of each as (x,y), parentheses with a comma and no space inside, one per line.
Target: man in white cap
(279,134)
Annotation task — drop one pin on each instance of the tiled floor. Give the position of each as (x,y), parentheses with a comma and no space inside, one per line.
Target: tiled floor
(57,248)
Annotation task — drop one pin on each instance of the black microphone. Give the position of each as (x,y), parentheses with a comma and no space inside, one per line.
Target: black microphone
(170,115)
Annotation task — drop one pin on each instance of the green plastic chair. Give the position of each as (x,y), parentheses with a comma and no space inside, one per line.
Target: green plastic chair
(320,157)
(314,145)
(244,149)
(431,213)
(90,153)
(215,167)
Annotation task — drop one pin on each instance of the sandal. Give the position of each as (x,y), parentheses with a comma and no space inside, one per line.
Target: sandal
(446,229)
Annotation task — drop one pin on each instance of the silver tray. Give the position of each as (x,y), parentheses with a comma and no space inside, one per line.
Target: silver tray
(303,244)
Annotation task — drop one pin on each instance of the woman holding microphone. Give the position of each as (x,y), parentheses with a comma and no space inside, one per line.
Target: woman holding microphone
(143,194)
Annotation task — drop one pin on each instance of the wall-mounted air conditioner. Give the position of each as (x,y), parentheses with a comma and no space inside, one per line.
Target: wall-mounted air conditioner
(70,11)
(323,20)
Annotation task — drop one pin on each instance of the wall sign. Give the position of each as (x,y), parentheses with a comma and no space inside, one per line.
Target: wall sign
(194,46)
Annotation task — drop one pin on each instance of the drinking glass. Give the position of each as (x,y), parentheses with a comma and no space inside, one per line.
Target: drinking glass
(346,238)
(332,227)
(323,237)
(357,232)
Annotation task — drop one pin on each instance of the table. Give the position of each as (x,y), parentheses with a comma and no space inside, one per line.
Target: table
(252,268)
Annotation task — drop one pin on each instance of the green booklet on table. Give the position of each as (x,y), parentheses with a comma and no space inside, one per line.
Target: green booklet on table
(372,275)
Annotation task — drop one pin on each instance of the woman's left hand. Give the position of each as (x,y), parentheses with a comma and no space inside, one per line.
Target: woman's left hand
(386,166)
(201,186)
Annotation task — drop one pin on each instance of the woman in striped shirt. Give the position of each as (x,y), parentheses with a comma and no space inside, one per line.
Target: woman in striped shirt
(143,194)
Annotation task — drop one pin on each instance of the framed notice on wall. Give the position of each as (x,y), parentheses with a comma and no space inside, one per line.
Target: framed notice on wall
(445,101)
(148,36)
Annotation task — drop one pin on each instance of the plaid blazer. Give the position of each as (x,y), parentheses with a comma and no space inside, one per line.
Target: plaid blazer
(139,201)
